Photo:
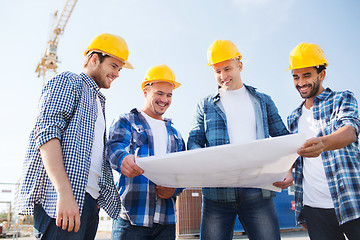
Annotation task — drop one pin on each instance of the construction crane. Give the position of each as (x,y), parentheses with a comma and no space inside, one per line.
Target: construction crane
(49,61)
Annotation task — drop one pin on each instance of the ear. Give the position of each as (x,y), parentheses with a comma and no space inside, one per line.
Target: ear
(94,59)
(322,75)
(240,65)
(145,92)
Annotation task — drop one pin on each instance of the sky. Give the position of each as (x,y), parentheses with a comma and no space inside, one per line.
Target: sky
(175,33)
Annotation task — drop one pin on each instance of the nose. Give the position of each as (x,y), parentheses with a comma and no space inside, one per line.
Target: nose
(223,75)
(116,73)
(164,98)
(301,82)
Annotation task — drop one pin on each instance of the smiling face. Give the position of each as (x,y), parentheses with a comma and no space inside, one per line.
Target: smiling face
(227,74)
(308,82)
(158,98)
(103,73)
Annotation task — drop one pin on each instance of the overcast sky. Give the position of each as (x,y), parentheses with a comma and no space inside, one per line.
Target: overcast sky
(176,33)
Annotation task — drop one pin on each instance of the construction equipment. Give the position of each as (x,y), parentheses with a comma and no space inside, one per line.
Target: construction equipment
(306,55)
(222,50)
(112,45)
(50,58)
(160,73)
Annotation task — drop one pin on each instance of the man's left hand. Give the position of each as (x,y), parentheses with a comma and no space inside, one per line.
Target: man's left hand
(287,182)
(165,192)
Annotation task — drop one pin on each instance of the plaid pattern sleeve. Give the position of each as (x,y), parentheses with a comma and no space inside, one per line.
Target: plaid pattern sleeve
(209,129)
(130,134)
(68,112)
(333,110)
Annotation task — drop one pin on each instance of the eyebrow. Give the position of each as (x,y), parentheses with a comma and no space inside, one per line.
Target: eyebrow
(163,92)
(304,74)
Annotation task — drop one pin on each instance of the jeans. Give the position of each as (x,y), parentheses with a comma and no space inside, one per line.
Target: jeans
(123,230)
(322,224)
(45,227)
(256,214)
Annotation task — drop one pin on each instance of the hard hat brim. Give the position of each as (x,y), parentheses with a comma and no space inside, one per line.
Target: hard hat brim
(128,65)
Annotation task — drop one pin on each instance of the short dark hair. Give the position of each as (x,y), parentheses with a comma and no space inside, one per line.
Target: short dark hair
(100,55)
(320,68)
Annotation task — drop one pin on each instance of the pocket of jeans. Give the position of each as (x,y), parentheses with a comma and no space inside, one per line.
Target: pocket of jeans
(41,220)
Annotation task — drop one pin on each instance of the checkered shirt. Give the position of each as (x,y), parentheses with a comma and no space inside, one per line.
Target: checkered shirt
(210,129)
(130,133)
(68,112)
(332,111)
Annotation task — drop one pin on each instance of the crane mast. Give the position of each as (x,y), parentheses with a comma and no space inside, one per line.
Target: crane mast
(49,61)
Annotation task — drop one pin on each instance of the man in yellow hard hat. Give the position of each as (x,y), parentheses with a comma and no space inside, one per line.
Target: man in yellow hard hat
(66,175)
(148,210)
(235,113)
(327,175)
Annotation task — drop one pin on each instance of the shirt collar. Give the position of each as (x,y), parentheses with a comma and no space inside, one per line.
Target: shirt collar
(92,84)
(324,95)
(136,111)
(216,95)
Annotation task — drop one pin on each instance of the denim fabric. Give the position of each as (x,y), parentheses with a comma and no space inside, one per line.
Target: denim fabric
(256,214)
(131,134)
(323,225)
(45,227)
(332,111)
(209,129)
(123,230)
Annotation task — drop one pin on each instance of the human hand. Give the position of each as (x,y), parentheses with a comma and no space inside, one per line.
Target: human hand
(313,147)
(165,192)
(304,226)
(129,168)
(67,212)
(287,182)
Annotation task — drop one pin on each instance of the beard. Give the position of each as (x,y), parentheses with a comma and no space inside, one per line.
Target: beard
(314,89)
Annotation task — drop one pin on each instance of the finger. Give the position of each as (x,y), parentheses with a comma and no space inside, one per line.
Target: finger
(70,224)
(77,222)
(58,220)
(64,223)
(135,168)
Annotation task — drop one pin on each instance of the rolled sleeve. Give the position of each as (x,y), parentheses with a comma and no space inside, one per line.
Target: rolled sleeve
(348,112)
(56,109)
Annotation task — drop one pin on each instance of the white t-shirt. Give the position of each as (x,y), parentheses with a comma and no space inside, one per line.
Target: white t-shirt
(240,115)
(315,186)
(97,154)
(160,137)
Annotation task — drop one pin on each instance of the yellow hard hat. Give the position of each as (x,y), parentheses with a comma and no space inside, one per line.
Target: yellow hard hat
(306,55)
(222,50)
(160,73)
(112,45)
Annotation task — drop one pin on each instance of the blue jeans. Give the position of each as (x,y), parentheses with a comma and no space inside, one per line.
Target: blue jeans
(256,214)
(123,230)
(322,224)
(45,227)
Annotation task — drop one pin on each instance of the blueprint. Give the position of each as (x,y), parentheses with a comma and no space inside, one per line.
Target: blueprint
(257,164)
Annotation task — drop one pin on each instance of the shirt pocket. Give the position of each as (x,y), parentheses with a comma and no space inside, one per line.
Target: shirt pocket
(139,136)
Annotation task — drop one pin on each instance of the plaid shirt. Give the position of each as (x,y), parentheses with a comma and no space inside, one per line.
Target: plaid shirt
(68,111)
(130,133)
(209,129)
(332,111)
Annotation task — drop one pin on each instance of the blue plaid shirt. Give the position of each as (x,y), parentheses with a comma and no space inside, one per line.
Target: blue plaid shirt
(68,112)
(332,111)
(209,129)
(128,133)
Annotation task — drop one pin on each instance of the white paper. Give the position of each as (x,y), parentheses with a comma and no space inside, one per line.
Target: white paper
(258,164)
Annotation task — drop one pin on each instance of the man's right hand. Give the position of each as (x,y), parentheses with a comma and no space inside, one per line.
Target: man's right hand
(129,167)
(67,212)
